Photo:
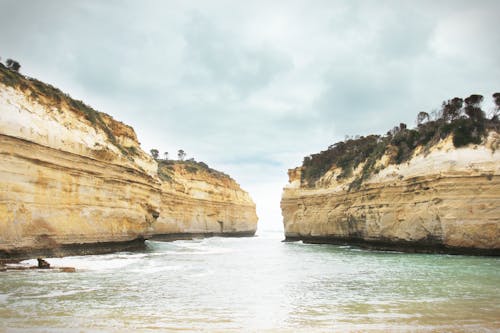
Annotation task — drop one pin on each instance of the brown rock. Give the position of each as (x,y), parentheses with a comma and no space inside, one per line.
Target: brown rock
(42,263)
(67,269)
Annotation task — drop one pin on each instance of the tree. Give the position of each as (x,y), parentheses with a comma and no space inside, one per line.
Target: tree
(155,153)
(496,112)
(473,100)
(165,154)
(473,109)
(393,131)
(435,114)
(496,99)
(181,155)
(13,65)
(422,117)
(451,109)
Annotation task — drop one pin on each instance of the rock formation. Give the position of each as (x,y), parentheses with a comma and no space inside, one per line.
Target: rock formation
(71,176)
(440,199)
(42,263)
(198,200)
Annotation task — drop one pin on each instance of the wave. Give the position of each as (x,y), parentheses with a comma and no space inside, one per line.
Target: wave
(187,247)
(93,262)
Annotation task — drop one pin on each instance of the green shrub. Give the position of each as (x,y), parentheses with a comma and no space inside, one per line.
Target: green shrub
(132,150)
(344,155)
(466,132)
(467,124)
(164,173)
(166,168)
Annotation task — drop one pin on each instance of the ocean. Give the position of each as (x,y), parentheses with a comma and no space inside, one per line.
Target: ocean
(256,284)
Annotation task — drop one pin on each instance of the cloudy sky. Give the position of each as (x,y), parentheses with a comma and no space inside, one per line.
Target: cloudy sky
(251,87)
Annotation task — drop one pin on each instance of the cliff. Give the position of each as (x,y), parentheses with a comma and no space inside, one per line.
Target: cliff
(441,198)
(72,176)
(199,200)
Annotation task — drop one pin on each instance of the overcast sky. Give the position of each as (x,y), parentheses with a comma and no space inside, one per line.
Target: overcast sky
(251,87)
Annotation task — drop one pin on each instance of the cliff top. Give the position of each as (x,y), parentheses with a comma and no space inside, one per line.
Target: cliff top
(76,116)
(52,97)
(65,110)
(193,170)
(461,119)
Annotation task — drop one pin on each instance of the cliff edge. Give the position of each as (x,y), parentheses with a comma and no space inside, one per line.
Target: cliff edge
(75,178)
(435,188)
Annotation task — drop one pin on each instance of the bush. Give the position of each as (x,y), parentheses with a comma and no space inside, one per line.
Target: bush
(13,65)
(466,132)
(344,155)
(467,124)
(167,167)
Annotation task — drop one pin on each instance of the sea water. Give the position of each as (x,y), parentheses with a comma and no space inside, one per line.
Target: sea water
(254,284)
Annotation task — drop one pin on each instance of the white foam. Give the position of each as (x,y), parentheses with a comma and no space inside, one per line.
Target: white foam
(100,262)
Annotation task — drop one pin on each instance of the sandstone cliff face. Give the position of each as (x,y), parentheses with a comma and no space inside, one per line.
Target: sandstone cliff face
(447,199)
(64,182)
(198,200)
(71,175)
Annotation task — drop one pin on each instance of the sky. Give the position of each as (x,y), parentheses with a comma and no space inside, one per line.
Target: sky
(251,87)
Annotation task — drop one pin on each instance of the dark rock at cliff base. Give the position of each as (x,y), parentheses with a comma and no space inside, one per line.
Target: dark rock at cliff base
(42,263)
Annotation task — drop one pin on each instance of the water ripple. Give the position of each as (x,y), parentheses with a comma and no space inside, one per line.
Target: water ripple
(254,284)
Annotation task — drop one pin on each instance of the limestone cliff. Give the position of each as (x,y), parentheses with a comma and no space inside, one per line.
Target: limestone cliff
(196,199)
(441,199)
(71,175)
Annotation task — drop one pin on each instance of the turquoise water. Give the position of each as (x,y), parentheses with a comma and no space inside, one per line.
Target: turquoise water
(254,284)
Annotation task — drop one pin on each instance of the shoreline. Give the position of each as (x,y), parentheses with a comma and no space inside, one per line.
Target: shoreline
(81,249)
(427,247)
(73,249)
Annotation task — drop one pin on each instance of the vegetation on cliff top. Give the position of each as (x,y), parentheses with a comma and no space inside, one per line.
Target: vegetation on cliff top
(462,118)
(166,169)
(166,165)
(52,96)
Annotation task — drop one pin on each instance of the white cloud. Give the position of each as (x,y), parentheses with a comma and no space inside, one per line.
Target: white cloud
(468,36)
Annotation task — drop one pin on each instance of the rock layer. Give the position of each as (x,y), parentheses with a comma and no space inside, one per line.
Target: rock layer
(200,201)
(446,200)
(71,176)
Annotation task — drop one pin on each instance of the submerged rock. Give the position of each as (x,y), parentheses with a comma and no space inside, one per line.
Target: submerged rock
(67,269)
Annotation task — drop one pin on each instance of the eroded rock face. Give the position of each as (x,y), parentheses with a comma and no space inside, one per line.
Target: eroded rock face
(63,181)
(198,201)
(445,200)
(70,177)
